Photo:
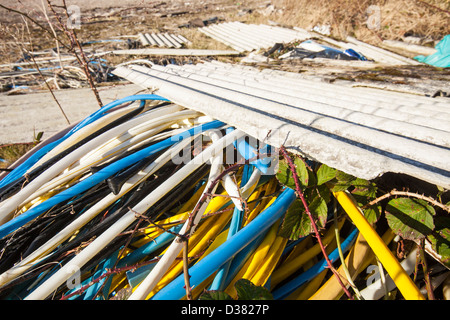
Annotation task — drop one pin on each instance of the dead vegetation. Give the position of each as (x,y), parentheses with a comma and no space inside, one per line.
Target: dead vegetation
(397,19)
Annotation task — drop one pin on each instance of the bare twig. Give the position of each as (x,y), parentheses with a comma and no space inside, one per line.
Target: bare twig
(43,78)
(23,14)
(426,272)
(433,6)
(311,218)
(73,39)
(187,284)
(109,273)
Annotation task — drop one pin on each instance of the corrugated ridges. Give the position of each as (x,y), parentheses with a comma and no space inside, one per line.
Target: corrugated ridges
(359,131)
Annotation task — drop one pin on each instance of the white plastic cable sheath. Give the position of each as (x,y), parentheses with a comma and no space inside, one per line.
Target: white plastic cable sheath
(152,279)
(8,206)
(228,184)
(46,288)
(78,223)
(84,164)
(83,133)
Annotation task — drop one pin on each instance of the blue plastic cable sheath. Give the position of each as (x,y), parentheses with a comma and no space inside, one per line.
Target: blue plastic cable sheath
(99,176)
(248,152)
(91,291)
(241,258)
(235,224)
(309,274)
(208,265)
(23,167)
(147,249)
(106,282)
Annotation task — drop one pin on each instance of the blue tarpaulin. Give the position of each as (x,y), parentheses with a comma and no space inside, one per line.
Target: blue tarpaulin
(441,58)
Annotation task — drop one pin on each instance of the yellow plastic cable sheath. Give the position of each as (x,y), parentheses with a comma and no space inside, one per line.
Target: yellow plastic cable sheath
(357,260)
(270,261)
(403,282)
(308,289)
(287,269)
(212,230)
(261,251)
(305,244)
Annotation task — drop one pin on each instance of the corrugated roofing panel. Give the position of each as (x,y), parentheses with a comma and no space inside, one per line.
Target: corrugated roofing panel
(361,133)
(247,37)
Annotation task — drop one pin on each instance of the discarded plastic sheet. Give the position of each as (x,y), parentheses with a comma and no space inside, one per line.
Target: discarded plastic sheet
(441,58)
(311,49)
(371,133)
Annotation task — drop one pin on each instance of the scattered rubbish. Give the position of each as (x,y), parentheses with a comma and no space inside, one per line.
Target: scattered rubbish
(370,52)
(441,58)
(199,23)
(322,29)
(311,49)
(254,57)
(440,93)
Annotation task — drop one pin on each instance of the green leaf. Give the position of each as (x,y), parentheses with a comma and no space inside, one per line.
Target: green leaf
(246,290)
(372,214)
(325,174)
(364,188)
(285,176)
(319,210)
(296,223)
(410,218)
(440,239)
(214,295)
(344,177)
(302,173)
(293,223)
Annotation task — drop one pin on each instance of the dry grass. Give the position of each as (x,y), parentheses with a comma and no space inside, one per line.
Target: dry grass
(427,18)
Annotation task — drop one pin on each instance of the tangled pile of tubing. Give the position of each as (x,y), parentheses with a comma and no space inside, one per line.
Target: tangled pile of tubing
(143,191)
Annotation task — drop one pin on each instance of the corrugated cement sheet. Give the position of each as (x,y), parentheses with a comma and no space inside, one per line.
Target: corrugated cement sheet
(364,132)
(248,37)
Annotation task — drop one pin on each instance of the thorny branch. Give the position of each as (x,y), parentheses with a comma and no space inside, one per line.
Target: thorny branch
(311,218)
(407,194)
